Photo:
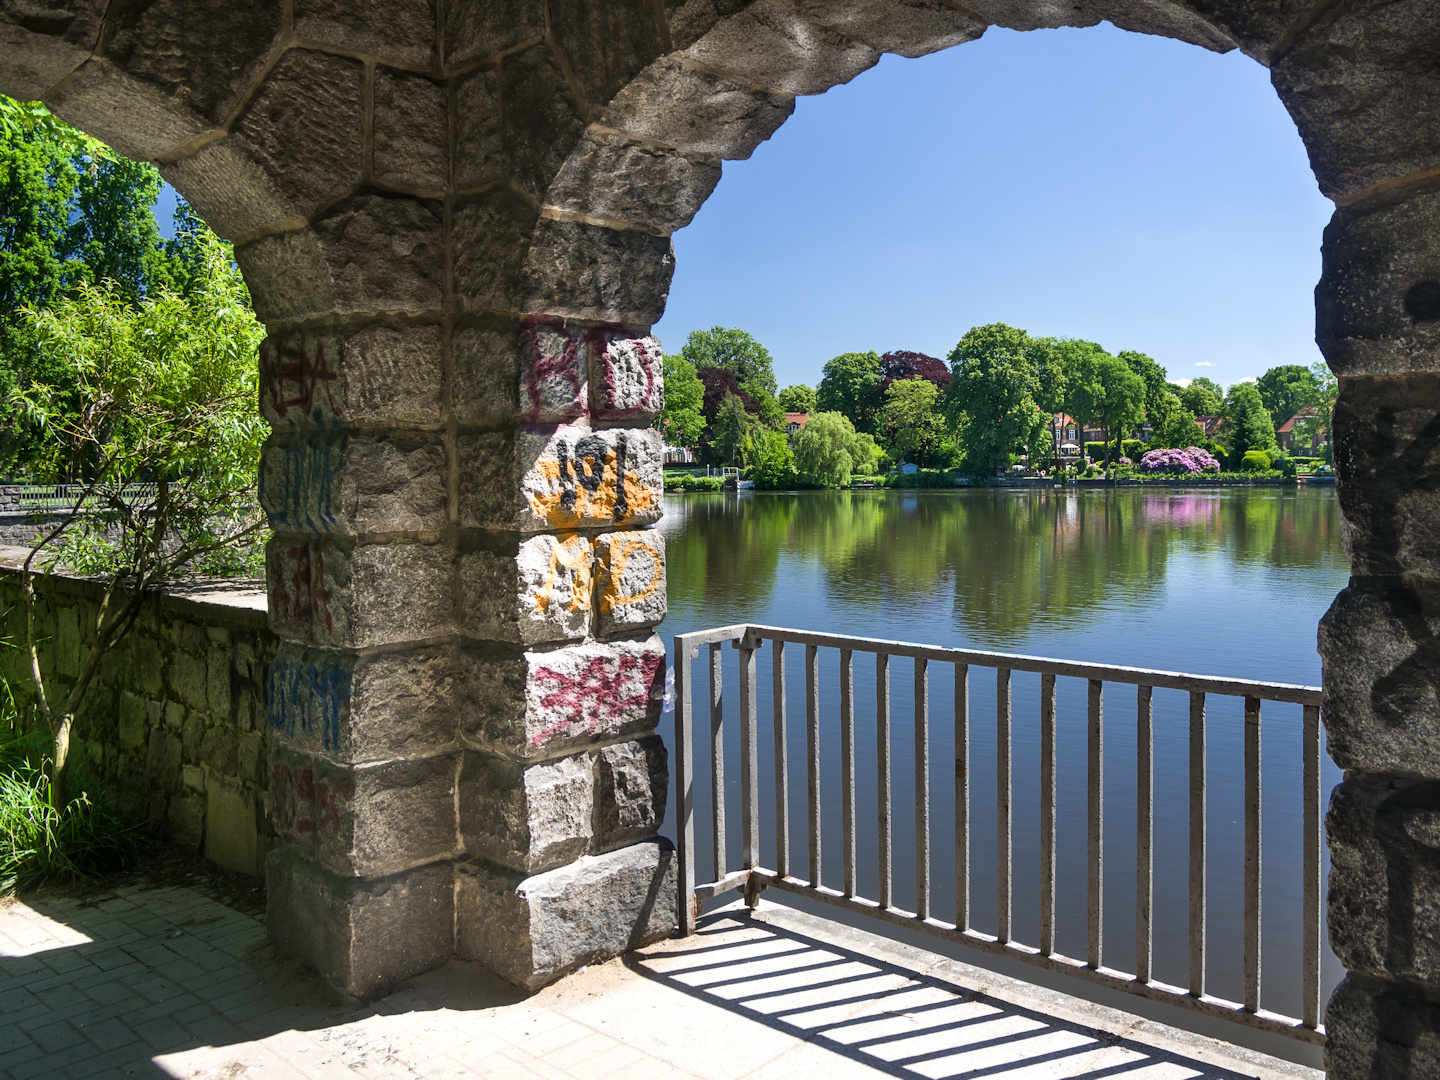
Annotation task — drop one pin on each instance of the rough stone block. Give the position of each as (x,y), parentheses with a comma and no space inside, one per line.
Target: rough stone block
(541,120)
(492,234)
(1377,307)
(609,177)
(527,817)
(1381,658)
(548,704)
(481,28)
(185,820)
(1375,1031)
(204,52)
(384,253)
(782,51)
(542,592)
(1384,901)
(132,721)
(220,750)
(345,483)
(906,27)
(289,278)
(135,118)
(607,44)
(187,679)
(1365,100)
(627,378)
(229,188)
(561,478)
(362,936)
(306,127)
(533,930)
(34,58)
(353,595)
(697,112)
(412,137)
(369,707)
(231,839)
(1386,434)
(487,374)
(632,782)
(365,820)
(401,31)
(630,581)
(217,682)
(380,374)
(579,271)
(192,777)
(479,139)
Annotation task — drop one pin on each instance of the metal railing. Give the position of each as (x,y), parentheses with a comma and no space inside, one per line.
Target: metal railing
(750,876)
(64,496)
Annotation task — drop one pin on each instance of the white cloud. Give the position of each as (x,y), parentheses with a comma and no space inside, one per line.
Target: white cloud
(1204,363)
(1248,378)
(1181,382)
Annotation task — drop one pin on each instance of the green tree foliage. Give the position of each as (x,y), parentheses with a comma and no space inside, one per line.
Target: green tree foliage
(912,421)
(683,419)
(740,354)
(825,450)
(730,429)
(865,455)
(1285,390)
(1151,374)
(1322,404)
(1203,397)
(73,212)
(847,386)
(1172,424)
(1247,423)
(160,393)
(799,398)
(772,462)
(993,397)
(1106,393)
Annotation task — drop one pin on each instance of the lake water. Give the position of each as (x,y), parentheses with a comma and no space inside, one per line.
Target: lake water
(1215,581)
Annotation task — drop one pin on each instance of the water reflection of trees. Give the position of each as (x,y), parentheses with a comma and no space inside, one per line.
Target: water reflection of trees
(1014,562)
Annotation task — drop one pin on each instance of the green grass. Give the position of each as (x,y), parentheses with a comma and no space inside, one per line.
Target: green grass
(41,845)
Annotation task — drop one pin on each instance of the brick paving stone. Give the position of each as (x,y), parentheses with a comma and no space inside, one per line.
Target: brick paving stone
(11,1038)
(54,1036)
(19,1055)
(164,1034)
(52,1061)
(108,1034)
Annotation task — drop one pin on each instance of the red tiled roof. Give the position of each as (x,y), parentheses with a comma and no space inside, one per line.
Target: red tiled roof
(797,418)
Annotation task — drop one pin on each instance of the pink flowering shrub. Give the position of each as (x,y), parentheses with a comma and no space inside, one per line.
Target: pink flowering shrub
(1126,461)
(1189,462)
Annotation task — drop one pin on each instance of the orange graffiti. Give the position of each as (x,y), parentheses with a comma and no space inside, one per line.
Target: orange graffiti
(572,554)
(588,484)
(620,550)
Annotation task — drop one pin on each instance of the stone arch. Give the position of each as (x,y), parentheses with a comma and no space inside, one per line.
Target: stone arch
(454,216)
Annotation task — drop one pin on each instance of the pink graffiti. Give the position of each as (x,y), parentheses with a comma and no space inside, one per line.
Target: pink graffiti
(596,695)
(611,394)
(330,800)
(294,791)
(308,374)
(542,367)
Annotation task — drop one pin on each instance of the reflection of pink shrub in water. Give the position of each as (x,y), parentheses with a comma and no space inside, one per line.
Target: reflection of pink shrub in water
(1179,510)
(1188,462)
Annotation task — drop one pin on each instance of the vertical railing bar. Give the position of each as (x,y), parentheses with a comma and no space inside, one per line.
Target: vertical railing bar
(1096,826)
(1144,831)
(1004,848)
(717,761)
(1311,888)
(962,797)
(922,789)
(1197,843)
(685,790)
(782,759)
(1047,814)
(882,766)
(847,771)
(1253,814)
(812,757)
(749,764)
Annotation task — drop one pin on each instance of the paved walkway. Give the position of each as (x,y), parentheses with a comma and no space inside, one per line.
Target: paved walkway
(156,982)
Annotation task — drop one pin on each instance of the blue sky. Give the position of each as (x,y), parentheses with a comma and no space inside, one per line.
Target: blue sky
(1125,189)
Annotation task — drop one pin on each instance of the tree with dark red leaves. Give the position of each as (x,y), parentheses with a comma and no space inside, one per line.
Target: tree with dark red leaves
(719,384)
(898,366)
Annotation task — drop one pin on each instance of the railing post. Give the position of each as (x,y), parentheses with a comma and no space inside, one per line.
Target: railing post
(685,788)
(749,766)
(717,761)
(882,767)
(962,797)
(922,790)
(1144,831)
(1003,832)
(1047,814)
(847,770)
(812,755)
(782,759)
(1197,844)
(1096,821)
(1312,894)
(1252,854)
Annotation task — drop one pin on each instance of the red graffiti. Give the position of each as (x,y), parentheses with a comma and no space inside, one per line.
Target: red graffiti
(288,366)
(544,365)
(297,592)
(330,799)
(294,791)
(647,363)
(596,695)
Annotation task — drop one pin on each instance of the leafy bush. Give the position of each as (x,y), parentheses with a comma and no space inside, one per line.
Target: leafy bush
(1095,451)
(1255,461)
(924,478)
(693,483)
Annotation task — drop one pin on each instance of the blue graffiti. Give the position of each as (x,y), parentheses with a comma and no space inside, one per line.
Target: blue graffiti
(309,696)
(307,470)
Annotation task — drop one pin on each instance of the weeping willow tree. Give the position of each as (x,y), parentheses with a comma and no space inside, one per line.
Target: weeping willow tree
(155,429)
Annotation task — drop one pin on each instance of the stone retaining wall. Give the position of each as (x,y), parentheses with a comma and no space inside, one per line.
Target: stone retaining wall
(174,725)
